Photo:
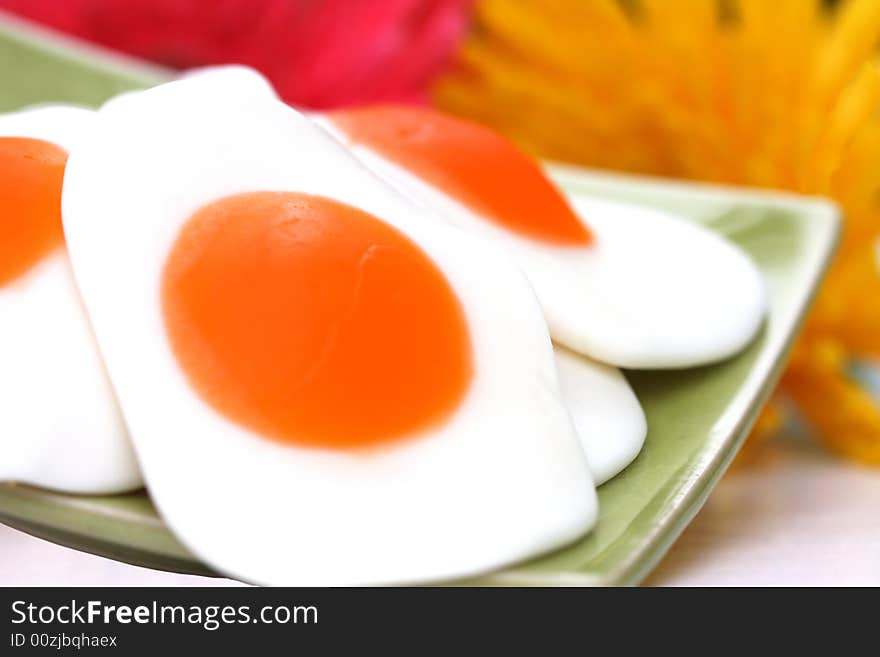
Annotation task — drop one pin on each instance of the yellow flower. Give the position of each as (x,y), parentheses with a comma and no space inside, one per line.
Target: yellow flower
(782,94)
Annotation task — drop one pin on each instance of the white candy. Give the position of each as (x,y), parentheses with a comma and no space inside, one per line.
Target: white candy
(503,479)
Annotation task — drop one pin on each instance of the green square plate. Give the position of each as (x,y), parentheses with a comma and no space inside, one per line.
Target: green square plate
(697,418)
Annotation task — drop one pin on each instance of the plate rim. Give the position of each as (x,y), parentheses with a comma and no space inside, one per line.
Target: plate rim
(757,388)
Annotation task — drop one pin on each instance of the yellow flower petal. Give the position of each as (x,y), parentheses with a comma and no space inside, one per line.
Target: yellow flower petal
(782,94)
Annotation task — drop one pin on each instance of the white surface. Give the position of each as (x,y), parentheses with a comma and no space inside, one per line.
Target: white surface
(798,516)
(29,561)
(503,479)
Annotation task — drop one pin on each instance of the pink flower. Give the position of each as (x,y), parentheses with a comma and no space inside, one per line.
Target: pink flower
(317,53)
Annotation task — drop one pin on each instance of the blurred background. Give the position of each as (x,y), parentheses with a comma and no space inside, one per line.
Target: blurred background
(782,94)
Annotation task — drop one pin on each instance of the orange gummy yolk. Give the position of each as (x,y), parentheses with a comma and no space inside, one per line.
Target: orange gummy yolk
(473,164)
(312,322)
(31,172)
